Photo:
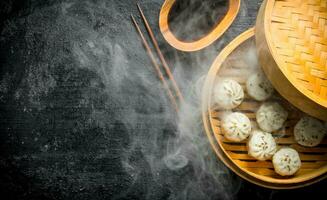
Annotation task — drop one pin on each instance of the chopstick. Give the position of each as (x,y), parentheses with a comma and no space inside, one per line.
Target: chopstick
(164,63)
(156,66)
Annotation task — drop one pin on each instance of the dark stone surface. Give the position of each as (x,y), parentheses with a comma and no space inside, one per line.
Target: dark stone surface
(83,115)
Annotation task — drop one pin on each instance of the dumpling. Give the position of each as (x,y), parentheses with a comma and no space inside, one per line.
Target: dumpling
(228,94)
(259,87)
(309,131)
(236,126)
(286,161)
(261,145)
(271,116)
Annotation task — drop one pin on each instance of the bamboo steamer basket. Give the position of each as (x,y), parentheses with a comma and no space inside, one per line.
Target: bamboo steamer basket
(291,38)
(234,154)
(213,35)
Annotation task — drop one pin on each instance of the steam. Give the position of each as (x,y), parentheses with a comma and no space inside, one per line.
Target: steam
(175,160)
(185,150)
(166,155)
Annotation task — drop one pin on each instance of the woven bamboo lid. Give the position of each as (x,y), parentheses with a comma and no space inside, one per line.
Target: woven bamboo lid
(291,39)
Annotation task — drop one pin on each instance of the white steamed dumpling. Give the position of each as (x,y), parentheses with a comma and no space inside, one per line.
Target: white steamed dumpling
(261,145)
(271,116)
(236,126)
(286,161)
(309,131)
(259,87)
(228,94)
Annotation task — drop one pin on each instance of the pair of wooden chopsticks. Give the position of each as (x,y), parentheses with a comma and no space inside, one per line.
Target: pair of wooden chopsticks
(176,90)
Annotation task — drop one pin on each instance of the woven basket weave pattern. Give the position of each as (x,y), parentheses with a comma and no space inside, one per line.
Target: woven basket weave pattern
(299,33)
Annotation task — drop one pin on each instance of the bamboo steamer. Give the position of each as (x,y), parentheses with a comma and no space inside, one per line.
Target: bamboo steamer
(234,154)
(213,35)
(291,38)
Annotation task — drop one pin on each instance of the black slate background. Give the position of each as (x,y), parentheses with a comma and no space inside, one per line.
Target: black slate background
(83,116)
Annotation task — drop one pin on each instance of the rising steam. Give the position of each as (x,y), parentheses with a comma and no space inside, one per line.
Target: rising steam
(164,155)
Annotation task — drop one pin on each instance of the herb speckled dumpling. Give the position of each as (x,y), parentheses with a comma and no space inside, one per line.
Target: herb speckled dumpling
(259,87)
(261,145)
(286,161)
(309,131)
(228,94)
(236,126)
(271,116)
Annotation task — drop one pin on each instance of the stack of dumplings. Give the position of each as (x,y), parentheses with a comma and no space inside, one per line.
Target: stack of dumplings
(270,117)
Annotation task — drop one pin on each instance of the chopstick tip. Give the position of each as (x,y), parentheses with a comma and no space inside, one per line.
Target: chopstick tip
(139,8)
(132,17)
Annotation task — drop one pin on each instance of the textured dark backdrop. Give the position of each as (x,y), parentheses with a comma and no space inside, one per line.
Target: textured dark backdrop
(82,115)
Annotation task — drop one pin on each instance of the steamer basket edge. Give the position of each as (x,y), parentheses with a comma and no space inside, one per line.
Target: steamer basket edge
(251,177)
